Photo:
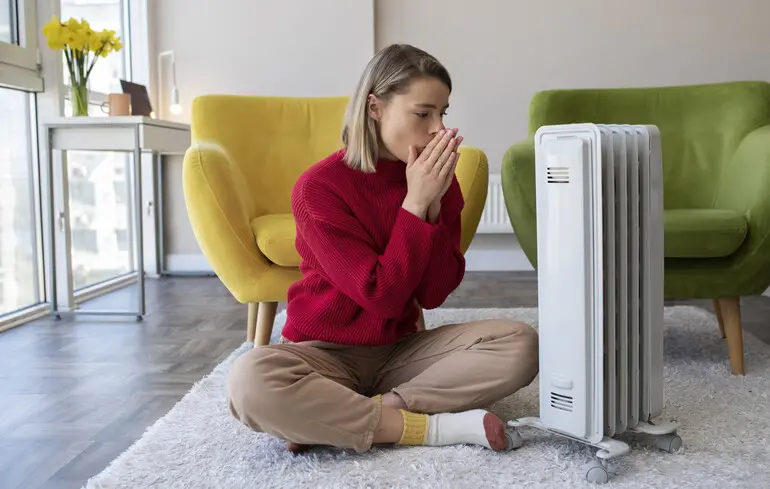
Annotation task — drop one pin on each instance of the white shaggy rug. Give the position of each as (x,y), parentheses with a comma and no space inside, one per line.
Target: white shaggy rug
(725,430)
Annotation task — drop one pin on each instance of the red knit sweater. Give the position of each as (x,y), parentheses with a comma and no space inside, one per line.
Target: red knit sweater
(366,262)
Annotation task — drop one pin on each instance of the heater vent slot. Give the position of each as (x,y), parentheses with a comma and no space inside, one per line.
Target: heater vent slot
(560,401)
(557,174)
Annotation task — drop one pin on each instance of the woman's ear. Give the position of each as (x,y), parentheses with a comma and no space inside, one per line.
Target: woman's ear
(373,107)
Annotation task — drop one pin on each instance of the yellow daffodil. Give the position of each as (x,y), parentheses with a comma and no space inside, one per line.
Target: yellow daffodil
(82,47)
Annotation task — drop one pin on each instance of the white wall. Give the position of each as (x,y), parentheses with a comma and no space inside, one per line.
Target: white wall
(498,52)
(262,47)
(251,47)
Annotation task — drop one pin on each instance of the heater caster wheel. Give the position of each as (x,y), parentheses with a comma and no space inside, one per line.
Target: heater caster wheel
(513,440)
(670,442)
(596,472)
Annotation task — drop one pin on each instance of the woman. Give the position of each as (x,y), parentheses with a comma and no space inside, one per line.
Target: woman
(378,230)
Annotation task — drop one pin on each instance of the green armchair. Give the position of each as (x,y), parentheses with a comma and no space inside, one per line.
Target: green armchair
(716,164)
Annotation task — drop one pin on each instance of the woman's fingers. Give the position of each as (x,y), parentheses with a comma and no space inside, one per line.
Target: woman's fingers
(412,155)
(434,156)
(446,155)
(459,142)
(431,147)
(449,168)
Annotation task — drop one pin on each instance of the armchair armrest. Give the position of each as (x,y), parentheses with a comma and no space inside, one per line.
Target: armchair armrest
(473,177)
(218,207)
(745,187)
(518,180)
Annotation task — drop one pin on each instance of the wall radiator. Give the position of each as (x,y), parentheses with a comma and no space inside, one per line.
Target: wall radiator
(494,218)
(600,288)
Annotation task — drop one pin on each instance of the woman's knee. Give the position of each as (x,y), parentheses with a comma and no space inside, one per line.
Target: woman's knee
(254,385)
(526,334)
(530,341)
(510,330)
(522,341)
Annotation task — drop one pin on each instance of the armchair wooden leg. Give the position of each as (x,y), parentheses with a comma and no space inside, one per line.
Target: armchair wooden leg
(251,322)
(730,310)
(265,320)
(421,321)
(718,313)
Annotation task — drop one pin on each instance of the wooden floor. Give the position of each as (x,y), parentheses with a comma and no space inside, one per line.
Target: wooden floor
(76,393)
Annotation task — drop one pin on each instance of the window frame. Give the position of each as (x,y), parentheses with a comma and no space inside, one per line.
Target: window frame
(34,170)
(20,61)
(21,70)
(26,66)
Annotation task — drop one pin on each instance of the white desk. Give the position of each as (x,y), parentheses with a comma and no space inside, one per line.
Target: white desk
(136,134)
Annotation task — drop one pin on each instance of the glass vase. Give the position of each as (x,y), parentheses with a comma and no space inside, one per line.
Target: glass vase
(79,99)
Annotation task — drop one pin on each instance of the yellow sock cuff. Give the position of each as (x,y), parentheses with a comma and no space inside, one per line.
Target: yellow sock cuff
(415,428)
(378,398)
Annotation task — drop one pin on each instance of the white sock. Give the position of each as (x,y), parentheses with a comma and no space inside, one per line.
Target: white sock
(465,428)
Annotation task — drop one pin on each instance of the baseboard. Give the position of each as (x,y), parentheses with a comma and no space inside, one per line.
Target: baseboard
(513,260)
(496,253)
(188,264)
(476,260)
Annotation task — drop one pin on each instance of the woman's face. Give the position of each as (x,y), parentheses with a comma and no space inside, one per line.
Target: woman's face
(410,119)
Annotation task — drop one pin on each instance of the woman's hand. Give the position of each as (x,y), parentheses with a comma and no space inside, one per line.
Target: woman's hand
(451,173)
(429,174)
(434,210)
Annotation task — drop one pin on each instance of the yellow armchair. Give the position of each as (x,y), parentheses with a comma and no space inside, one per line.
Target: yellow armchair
(246,154)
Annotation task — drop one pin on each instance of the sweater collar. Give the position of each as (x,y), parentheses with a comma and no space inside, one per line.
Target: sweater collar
(392,170)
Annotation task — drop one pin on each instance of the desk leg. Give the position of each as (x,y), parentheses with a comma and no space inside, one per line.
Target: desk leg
(152,266)
(159,228)
(139,217)
(51,229)
(62,293)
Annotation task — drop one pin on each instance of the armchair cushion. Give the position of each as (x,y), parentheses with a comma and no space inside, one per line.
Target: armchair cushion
(703,233)
(275,235)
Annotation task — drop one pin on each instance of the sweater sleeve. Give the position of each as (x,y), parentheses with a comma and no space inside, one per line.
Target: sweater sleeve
(446,268)
(382,283)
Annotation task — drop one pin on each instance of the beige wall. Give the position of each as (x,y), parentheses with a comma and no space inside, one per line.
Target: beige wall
(498,52)
(501,52)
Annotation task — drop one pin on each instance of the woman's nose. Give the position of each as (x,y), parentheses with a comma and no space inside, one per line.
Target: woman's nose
(438,128)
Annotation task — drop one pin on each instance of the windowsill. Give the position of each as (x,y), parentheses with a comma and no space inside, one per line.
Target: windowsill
(38,311)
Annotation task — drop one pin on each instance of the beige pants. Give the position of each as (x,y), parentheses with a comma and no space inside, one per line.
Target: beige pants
(320,393)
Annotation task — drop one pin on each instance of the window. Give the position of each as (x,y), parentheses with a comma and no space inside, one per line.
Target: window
(100,213)
(21,266)
(102,14)
(18,45)
(20,252)
(7,12)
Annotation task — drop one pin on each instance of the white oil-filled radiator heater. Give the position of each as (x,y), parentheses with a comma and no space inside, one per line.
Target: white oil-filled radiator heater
(599,191)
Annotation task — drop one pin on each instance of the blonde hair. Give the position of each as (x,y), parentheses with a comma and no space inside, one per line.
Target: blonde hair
(389,72)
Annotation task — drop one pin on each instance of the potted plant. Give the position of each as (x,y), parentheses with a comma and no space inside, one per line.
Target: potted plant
(82,47)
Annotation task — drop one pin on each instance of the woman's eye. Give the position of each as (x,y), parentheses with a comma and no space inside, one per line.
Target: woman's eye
(423,115)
